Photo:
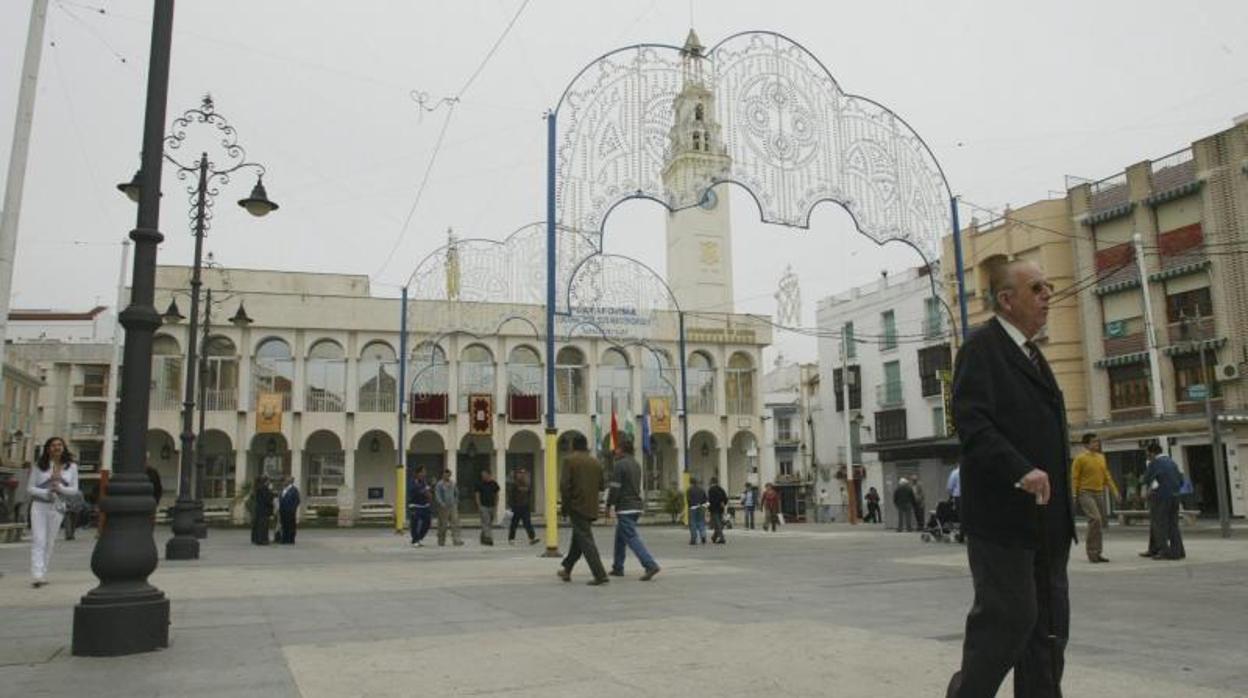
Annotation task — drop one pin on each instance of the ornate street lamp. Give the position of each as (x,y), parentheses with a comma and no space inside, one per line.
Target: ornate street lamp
(209,175)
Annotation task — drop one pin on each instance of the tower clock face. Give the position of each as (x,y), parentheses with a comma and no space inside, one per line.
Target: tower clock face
(709,201)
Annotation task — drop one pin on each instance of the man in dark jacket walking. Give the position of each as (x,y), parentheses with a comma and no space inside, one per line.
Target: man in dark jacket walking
(717,499)
(696,498)
(625,498)
(1163,502)
(579,486)
(903,502)
(287,511)
(1016,502)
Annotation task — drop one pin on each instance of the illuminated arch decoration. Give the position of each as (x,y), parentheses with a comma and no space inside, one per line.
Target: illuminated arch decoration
(794,137)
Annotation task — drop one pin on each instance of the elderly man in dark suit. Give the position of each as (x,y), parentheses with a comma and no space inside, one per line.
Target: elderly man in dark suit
(1016,511)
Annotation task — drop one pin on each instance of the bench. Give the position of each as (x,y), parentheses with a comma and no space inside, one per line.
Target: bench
(375,512)
(11,532)
(1125,516)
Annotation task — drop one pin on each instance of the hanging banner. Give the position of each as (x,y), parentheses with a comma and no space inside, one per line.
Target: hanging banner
(481,414)
(660,416)
(268,413)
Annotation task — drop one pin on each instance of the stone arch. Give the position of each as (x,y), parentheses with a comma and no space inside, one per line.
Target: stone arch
(703,455)
(216,469)
(162,454)
(375,459)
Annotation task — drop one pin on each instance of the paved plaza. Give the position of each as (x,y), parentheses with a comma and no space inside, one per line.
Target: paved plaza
(809,611)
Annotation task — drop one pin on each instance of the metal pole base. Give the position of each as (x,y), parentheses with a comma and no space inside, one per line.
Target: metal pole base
(200,527)
(183,545)
(551,552)
(124,614)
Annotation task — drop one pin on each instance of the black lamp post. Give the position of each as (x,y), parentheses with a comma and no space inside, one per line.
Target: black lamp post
(124,614)
(184,545)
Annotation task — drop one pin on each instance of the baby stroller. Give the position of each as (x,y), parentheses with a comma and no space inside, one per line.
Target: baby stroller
(942,524)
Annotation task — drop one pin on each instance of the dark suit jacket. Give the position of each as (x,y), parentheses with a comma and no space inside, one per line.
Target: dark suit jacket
(1010,417)
(289,500)
(579,484)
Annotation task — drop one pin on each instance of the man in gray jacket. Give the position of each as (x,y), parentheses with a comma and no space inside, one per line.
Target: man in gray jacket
(446,497)
(625,497)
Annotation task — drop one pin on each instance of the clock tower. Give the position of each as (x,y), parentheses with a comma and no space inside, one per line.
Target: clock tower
(699,241)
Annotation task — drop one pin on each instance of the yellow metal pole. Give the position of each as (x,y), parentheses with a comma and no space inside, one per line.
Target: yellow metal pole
(400,498)
(551,476)
(684,496)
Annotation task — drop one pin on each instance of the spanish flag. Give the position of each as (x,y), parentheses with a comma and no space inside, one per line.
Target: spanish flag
(615,428)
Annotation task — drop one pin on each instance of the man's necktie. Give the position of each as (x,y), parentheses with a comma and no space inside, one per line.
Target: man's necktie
(1033,353)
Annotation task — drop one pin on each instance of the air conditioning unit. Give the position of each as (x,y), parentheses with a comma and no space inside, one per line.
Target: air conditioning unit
(1228,372)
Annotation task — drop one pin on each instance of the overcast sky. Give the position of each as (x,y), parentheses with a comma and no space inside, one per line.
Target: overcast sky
(1010,96)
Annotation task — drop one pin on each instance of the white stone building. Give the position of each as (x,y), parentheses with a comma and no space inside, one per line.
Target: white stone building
(899,344)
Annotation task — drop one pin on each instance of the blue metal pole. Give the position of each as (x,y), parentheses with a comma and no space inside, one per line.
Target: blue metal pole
(550,466)
(957,259)
(684,396)
(401,445)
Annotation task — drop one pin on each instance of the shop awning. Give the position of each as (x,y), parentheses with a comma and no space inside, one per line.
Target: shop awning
(1180,270)
(1117,286)
(1193,347)
(1109,214)
(1173,193)
(1122,359)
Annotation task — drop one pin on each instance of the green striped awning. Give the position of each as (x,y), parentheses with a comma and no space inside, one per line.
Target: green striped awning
(1193,347)
(1117,286)
(1110,213)
(1180,270)
(1173,193)
(1122,359)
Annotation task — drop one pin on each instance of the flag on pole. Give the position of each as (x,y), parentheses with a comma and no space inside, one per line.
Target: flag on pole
(597,435)
(645,429)
(615,427)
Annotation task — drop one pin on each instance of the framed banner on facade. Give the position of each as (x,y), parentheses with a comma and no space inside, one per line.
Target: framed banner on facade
(268,413)
(481,414)
(660,416)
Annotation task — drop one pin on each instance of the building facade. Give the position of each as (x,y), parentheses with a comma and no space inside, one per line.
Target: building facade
(788,456)
(1187,280)
(898,348)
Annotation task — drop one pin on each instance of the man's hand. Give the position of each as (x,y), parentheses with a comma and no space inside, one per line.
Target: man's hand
(1036,482)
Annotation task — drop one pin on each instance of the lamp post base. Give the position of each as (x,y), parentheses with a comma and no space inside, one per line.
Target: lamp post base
(183,545)
(117,627)
(200,527)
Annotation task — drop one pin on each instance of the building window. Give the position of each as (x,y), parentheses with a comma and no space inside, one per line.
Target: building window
(889,392)
(376,373)
(890,425)
(933,322)
(524,386)
(273,370)
(327,378)
(784,430)
(933,360)
(429,384)
(786,467)
(615,384)
(851,348)
(221,375)
(1128,387)
(938,421)
(476,373)
(701,377)
(739,384)
(888,330)
(570,381)
(855,389)
(218,476)
(326,473)
(166,373)
(1196,303)
(1187,372)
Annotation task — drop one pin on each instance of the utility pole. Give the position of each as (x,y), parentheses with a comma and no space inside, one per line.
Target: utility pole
(851,497)
(1150,333)
(1210,381)
(16,179)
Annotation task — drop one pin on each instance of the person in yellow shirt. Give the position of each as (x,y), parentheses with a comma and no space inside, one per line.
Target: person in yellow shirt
(1088,479)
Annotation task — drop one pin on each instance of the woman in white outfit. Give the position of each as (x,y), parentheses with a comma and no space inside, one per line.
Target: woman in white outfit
(54,476)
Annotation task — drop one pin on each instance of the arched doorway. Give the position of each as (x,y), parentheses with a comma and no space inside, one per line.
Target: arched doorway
(269,454)
(703,456)
(525,451)
(742,461)
(216,476)
(476,454)
(661,463)
(374,469)
(162,454)
(324,466)
(427,448)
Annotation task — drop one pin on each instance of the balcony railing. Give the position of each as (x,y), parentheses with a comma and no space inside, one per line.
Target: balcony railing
(220,399)
(374,401)
(1195,330)
(166,399)
(320,400)
(740,405)
(571,403)
(99,390)
(933,327)
(888,394)
(79,430)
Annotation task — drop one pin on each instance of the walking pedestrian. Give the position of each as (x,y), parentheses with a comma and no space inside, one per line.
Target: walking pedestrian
(920,501)
(486,495)
(54,477)
(521,501)
(261,510)
(419,506)
(1017,514)
(696,500)
(446,496)
(288,511)
(903,501)
(1165,478)
(579,485)
(771,508)
(624,497)
(749,500)
(1089,476)
(825,506)
(873,506)
(717,501)
(953,486)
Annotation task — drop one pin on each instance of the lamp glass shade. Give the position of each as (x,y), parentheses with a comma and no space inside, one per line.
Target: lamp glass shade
(258,203)
(131,189)
(240,318)
(172,314)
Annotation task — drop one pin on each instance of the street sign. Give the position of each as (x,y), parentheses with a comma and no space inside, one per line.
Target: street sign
(1199,391)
